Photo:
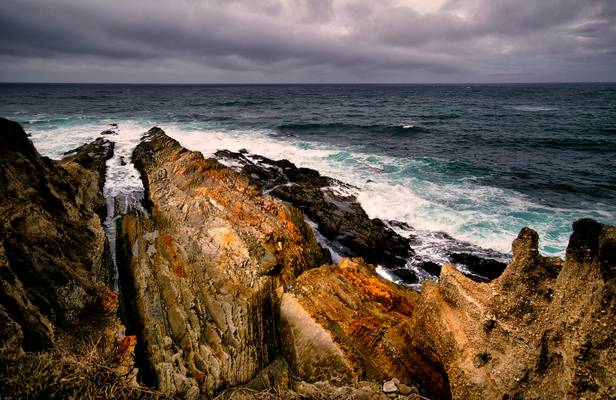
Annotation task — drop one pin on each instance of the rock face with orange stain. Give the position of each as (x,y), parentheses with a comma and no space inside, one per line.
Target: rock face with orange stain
(203,271)
(544,329)
(345,324)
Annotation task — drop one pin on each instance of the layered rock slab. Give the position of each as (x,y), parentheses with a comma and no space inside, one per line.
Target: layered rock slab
(54,264)
(344,324)
(339,216)
(544,329)
(206,267)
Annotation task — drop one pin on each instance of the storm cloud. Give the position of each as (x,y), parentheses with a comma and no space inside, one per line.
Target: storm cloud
(307,40)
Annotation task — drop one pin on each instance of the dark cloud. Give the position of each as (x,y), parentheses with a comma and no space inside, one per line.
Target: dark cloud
(307,40)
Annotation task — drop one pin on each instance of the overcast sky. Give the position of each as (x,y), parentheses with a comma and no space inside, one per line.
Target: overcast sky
(260,41)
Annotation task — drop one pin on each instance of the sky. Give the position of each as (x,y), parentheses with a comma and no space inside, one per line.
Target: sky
(307,41)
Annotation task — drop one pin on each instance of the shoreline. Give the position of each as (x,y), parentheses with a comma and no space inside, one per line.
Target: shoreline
(227,290)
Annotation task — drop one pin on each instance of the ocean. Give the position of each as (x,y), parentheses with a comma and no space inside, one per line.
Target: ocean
(477,162)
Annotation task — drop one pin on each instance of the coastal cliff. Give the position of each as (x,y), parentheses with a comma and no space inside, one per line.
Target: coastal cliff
(52,245)
(58,315)
(229,293)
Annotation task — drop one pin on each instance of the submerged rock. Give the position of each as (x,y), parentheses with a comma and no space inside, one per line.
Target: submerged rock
(544,328)
(204,271)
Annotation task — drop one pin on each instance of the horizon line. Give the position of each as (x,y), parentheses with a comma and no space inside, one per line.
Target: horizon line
(300,83)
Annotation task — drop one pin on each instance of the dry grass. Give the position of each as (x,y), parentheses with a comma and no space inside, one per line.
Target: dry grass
(84,373)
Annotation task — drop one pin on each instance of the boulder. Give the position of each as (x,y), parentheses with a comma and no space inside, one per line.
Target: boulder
(203,271)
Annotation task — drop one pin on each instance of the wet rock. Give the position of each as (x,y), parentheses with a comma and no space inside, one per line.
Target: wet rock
(405,275)
(93,157)
(430,267)
(206,267)
(544,327)
(330,204)
(109,132)
(53,260)
(483,269)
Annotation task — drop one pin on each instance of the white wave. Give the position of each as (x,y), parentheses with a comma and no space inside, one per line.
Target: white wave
(485,216)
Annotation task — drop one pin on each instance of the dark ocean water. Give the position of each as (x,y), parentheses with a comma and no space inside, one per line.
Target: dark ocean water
(476,161)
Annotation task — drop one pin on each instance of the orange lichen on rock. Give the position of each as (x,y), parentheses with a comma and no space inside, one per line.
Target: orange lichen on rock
(110,301)
(378,290)
(290,224)
(168,246)
(362,313)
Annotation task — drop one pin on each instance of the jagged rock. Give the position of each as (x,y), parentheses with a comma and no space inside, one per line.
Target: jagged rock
(53,260)
(545,327)
(205,269)
(339,216)
(344,323)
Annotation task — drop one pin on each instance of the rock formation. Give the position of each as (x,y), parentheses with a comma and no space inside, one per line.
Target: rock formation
(544,329)
(339,217)
(206,268)
(53,262)
(345,324)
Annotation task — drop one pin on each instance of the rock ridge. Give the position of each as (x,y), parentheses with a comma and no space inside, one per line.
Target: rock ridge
(206,268)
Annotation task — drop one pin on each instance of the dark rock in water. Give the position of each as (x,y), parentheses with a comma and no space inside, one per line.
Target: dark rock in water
(109,132)
(93,156)
(430,267)
(406,275)
(487,269)
(122,160)
(113,125)
(53,258)
(400,225)
(339,216)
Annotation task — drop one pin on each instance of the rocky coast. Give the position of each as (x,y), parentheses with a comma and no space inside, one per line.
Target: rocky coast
(258,280)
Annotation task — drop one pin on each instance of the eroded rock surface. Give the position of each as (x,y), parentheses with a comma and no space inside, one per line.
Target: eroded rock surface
(344,324)
(54,266)
(544,329)
(206,269)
